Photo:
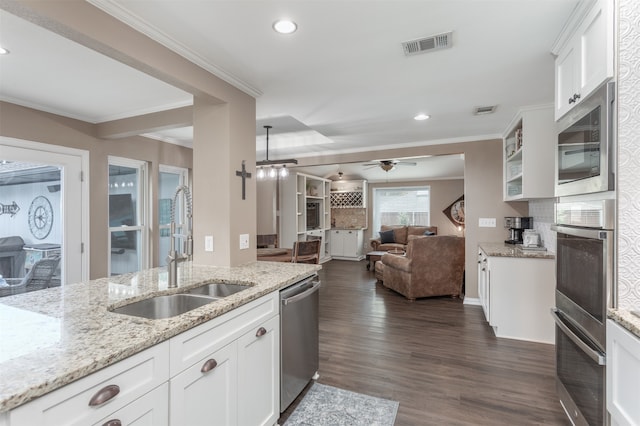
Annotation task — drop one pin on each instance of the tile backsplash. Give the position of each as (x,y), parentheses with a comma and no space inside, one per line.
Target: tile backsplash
(352,218)
(542,212)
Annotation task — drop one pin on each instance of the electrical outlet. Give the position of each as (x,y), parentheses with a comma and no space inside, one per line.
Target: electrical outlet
(208,243)
(487,222)
(244,241)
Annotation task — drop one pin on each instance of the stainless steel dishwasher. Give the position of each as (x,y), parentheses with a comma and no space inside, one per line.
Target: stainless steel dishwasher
(298,338)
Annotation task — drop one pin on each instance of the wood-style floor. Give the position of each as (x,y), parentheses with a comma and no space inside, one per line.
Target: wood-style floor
(436,356)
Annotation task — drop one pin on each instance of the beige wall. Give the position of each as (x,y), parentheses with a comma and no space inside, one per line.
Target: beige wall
(443,193)
(31,125)
(266,199)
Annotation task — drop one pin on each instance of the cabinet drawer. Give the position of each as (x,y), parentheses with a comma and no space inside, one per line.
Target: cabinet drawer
(128,380)
(151,409)
(193,345)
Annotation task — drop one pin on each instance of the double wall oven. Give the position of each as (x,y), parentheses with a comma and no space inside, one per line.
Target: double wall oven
(585,258)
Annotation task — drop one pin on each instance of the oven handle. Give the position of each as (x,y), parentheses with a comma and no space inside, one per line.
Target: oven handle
(594,233)
(593,354)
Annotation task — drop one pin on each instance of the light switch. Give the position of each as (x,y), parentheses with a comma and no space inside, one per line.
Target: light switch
(244,241)
(487,222)
(208,243)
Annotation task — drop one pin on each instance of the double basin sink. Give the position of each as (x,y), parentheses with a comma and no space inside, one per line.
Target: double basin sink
(175,304)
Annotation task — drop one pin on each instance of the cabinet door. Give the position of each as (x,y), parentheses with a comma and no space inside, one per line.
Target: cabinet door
(151,409)
(567,74)
(336,243)
(350,247)
(206,393)
(623,375)
(259,374)
(596,44)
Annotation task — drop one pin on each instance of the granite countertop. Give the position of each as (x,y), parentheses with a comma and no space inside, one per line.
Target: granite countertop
(510,250)
(51,337)
(626,319)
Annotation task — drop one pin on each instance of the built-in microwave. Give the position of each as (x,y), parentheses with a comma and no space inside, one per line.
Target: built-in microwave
(585,157)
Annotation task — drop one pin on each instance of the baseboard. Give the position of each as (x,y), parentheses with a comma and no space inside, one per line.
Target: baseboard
(471,301)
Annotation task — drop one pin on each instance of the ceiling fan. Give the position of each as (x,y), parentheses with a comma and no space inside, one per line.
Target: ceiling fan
(388,165)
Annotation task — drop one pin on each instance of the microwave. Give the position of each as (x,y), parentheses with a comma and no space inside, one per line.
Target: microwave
(585,156)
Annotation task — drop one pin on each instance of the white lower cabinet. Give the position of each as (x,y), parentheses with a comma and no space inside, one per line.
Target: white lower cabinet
(223,372)
(259,374)
(150,409)
(517,295)
(346,244)
(623,375)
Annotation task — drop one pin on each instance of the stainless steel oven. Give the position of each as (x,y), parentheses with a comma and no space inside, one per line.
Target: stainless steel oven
(584,290)
(585,158)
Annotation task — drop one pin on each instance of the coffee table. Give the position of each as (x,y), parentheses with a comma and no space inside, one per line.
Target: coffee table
(373,257)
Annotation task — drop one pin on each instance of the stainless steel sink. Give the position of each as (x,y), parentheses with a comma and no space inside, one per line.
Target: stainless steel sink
(218,290)
(164,306)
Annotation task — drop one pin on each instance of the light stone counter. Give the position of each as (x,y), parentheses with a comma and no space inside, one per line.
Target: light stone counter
(50,338)
(626,319)
(510,250)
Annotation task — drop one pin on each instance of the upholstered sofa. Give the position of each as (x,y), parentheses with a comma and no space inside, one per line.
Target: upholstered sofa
(432,266)
(398,236)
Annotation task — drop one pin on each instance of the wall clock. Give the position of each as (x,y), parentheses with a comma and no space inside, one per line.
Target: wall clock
(455,211)
(40,217)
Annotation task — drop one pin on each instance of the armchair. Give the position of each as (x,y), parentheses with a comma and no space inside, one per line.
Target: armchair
(38,278)
(432,266)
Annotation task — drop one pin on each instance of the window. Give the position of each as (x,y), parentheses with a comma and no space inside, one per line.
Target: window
(401,206)
(127,216)
(169,179)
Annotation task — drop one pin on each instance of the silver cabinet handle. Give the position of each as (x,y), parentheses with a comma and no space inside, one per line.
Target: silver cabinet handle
(104,395)
(209,365)
(114,422)
(261,332)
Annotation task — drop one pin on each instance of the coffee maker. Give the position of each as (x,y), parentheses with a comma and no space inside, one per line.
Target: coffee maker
(516,226)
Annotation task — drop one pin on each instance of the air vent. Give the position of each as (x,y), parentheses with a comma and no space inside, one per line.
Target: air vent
(436,42)
(484,110)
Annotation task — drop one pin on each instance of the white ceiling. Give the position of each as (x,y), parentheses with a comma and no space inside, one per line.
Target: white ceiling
(340,84)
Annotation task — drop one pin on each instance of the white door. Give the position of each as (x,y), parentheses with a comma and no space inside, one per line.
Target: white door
(66,198)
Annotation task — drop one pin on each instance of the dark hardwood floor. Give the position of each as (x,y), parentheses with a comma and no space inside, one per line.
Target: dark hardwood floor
(436,356)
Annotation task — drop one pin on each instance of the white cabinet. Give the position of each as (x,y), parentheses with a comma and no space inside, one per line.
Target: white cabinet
(483,283)
(518,295)
(150,409)
(109,390)
(623,375)
(346,244)
(235,378)
(259,375)
(305,210)
(206,393)
(529,155)
(585,54)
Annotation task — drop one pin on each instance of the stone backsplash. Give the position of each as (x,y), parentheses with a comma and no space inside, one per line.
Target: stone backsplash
(352,218)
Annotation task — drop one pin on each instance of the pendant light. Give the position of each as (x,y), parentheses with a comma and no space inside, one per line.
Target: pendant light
(272,169)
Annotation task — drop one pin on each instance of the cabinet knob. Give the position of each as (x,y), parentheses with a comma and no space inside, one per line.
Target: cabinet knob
(104,395)
(114,422)
(209,365)
(261,332)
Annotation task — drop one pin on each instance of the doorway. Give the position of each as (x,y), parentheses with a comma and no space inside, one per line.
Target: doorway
(43,202)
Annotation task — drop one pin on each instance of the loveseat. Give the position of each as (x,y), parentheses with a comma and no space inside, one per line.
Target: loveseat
(396,237)
(432,266)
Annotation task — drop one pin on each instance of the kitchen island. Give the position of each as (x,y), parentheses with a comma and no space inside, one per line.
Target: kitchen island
(53,337)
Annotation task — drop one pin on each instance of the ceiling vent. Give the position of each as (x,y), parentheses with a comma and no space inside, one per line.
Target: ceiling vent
(484,110)
(435,42)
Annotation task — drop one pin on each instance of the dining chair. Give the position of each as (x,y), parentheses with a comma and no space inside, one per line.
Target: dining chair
(306,251)
(38,278)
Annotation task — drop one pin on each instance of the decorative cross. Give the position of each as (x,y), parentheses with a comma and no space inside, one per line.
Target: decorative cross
(244,176)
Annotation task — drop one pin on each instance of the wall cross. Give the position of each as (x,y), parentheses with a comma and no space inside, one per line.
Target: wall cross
(243,173)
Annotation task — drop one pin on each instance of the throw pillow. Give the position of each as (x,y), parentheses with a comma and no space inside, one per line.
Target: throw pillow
(387,237)
(427,233)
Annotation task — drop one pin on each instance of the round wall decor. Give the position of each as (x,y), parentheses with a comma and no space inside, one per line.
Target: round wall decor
(40,217)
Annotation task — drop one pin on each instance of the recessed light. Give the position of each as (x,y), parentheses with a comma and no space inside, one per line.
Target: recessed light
(3,51)
(421,117)
(285,26)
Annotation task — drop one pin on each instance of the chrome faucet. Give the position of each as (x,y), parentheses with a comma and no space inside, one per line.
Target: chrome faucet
(173,259)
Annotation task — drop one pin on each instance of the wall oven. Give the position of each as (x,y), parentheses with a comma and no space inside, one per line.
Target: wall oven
(585,158)
(584,279)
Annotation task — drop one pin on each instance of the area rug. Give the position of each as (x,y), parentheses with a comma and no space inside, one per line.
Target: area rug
(328,406)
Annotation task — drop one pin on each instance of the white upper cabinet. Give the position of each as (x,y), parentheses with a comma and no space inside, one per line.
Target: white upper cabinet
(584,54)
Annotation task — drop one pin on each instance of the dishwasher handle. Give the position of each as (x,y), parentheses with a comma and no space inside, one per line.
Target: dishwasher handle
(315,287)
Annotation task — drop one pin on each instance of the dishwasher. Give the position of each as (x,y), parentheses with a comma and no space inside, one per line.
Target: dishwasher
(299,359)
